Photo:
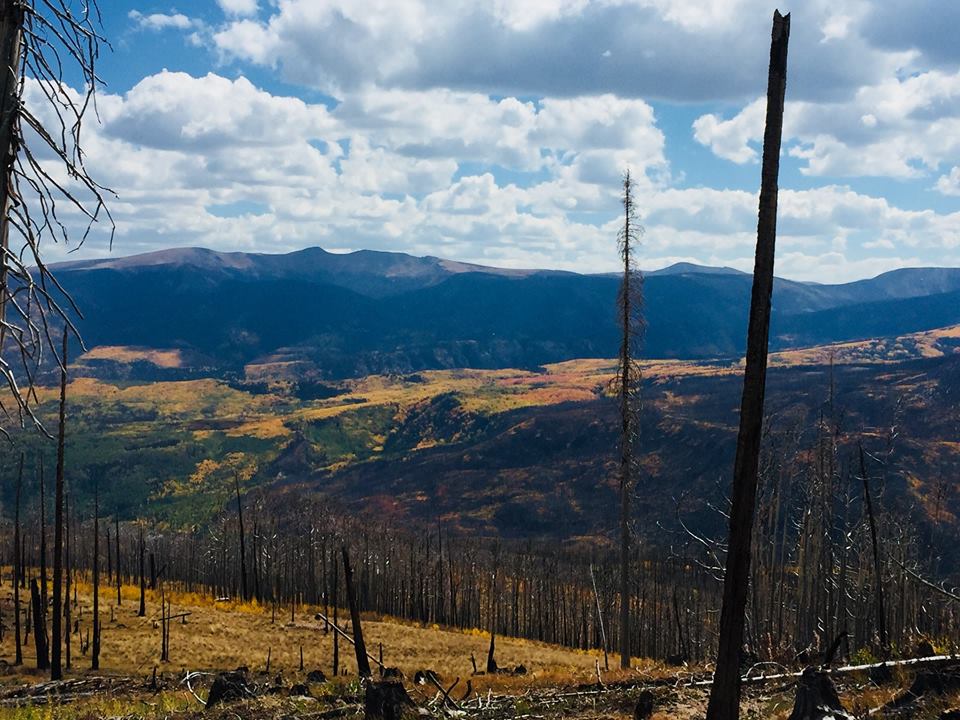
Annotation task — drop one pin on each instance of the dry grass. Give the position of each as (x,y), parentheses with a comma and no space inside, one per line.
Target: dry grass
(125,354)
(224,635)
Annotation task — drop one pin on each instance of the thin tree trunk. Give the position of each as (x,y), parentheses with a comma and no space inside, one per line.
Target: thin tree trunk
(627,423)
(243,549)
(877,582)
(725,693)
(68,567)
(143,582)
(363,664)
(95,653)
(116,540)
(40,609)
(56,662)
(39,631)
(17,569)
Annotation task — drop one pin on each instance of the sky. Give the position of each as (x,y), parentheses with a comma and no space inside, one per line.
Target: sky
(497,131)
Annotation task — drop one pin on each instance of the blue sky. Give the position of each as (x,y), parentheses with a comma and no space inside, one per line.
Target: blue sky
(495,131)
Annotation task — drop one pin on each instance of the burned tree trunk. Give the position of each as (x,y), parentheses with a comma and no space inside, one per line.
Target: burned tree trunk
(243,549)
(39,631)
(725,693)
(142,611)
(95,653)
(39,604)
(363,664)
(68,582)
(628,382)
(116,539)
(491,660)
(56,663)
(11,37)
(877,582)
(17,569)
(817,698)
(336,623)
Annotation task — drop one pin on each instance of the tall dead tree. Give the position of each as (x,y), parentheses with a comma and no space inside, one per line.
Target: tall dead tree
(243,549)
(17,569)
(363,663)
(725,693)
(142,611)
(42,42)
(40,621)
(875,543)
(629,304)
(56,663)
(95,652)
(68,582)
(116,535)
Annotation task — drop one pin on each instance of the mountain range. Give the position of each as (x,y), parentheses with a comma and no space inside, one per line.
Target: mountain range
(332,315)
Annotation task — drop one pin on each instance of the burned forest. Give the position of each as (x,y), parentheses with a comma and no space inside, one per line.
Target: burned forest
(703,464)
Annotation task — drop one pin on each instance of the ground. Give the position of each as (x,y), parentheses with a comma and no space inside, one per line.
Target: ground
(226,634)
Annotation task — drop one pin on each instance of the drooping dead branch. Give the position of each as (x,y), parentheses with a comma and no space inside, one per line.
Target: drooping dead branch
(46,193)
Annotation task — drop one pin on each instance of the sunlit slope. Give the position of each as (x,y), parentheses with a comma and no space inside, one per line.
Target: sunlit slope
(514,452)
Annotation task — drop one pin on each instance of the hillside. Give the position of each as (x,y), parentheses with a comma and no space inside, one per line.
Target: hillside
(511,452)
(335,316)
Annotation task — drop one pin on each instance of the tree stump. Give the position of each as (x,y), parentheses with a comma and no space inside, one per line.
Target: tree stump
(228,686)
(644,707)
(817,698)
(386,700)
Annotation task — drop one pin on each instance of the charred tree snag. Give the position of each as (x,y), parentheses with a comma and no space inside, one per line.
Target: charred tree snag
(116,539)
(817,698)
(336,625)
(39,631)
(628,391)
(56,662)
(491,661)
(68,581)
(17,569)
(725,693)
(243,550)
(142,611)
(363,664)
(95,654)
(877,581)
(386,700)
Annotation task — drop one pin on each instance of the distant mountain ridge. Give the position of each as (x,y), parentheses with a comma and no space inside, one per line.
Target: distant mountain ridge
(340,315)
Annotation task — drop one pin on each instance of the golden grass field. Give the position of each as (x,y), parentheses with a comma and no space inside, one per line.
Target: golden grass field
(226,634)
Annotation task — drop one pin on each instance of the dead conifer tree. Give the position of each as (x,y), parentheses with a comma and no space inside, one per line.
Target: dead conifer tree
(56,663)
(629,306)
(725,692)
